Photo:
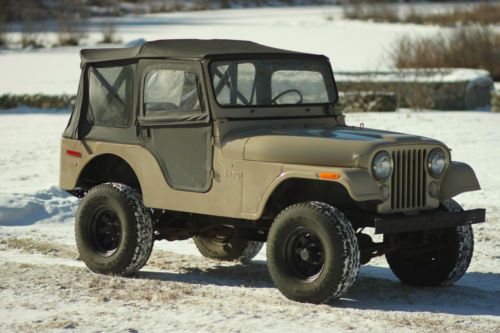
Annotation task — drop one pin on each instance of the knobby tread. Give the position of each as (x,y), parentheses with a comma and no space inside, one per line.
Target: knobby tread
(444,264)
(349,244)
(251,250)
(466,245)
(143,223)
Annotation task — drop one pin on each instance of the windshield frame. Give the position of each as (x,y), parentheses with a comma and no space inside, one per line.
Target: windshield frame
(269,111)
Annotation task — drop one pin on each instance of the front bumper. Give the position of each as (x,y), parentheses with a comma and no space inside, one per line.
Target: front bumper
(428,221)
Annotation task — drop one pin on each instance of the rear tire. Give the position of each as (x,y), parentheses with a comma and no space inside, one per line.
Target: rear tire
(113,229)
(227,249)
(441,265)
(312,253)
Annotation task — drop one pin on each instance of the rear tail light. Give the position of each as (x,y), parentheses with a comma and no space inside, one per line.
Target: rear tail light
(73,153)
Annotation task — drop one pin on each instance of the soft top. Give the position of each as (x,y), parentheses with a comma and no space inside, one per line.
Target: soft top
(180,48)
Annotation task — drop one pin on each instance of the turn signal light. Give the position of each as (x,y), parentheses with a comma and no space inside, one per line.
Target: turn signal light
(329,175)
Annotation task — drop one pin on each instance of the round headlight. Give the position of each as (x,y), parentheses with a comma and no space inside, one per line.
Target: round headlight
(382,166)
(436,163)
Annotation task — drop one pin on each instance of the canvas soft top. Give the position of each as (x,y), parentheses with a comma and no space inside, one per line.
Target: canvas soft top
(180,48)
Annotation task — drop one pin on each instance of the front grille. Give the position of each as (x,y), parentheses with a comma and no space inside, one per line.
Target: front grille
(409,179)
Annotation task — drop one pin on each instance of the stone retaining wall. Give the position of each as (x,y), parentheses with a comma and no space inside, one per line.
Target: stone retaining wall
(374,101)
(450,89)
(457,89)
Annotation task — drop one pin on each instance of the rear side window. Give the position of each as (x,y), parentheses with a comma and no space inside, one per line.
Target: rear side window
(170,90)
(110,96)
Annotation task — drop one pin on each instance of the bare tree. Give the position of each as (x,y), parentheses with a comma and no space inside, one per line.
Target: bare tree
(31,26)
(109,34)
(71,19)
(225,3)
(3,29)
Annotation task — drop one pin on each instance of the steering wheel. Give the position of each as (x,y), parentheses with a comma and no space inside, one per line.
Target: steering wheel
(273,101)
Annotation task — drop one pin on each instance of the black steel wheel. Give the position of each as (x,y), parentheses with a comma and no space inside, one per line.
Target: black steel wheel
(113,230)
(105,231)
(312,252)
(304,254)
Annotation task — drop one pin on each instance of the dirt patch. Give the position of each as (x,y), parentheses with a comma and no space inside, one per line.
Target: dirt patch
(51,324)
(108,288)
(31,245)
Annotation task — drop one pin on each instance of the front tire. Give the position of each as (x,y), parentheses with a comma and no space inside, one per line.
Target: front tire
(312,253)
(441,262)
(113,229)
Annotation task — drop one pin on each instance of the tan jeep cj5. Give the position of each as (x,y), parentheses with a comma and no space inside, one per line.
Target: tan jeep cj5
(235,144)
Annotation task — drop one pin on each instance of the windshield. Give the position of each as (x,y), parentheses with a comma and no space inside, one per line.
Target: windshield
(268,82)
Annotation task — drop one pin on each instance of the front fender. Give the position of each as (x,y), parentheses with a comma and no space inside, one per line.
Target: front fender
(459,178)
(360,185)
(358,182)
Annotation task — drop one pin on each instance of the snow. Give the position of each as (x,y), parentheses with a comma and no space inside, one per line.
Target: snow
(350,45)
(411,75)
(43,287)
(180,291)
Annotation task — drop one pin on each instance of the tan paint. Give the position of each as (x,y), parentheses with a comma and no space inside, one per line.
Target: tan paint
(318,142)
(451,187)
(258,176)
(240,188)
(358,182)
(431,202)
(223,199)
(242,185)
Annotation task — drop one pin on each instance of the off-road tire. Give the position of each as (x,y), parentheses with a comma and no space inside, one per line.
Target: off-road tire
(341,257)
(234,249)
(136,240)
(436,268)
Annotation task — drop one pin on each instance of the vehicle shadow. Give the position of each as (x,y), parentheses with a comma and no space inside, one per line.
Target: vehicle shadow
(252,275)
(375,289)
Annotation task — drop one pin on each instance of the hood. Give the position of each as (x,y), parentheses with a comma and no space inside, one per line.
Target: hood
(336,146)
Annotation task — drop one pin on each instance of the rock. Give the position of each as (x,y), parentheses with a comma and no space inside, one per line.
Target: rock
(478,93)
(495,101)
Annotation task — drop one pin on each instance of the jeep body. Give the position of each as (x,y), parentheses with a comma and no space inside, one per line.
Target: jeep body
(218,135)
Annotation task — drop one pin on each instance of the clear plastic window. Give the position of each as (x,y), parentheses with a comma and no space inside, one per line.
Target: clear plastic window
(267,82)
(167,90)
(289,87)
(110,96)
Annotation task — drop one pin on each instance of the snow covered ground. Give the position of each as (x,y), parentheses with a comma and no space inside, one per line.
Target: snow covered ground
(43,287)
